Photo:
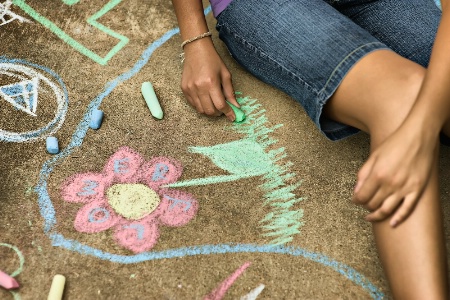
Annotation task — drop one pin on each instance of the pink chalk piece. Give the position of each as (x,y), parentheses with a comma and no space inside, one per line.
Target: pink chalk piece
(160,171)
(7,281)
(221,290)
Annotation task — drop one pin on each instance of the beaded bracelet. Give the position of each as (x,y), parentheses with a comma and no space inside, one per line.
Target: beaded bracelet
(203,35)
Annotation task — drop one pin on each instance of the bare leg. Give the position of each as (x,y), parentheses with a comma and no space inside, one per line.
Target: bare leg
(376,96)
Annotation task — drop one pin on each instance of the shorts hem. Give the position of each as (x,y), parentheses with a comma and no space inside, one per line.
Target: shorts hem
(331,129)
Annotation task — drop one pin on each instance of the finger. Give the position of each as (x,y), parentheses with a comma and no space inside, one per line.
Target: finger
(367,185)
(220,103)
(228,90)
(388,207)
(377,200)
(190,101)
(364,173)
(197,104)
(404,210)
(208,106)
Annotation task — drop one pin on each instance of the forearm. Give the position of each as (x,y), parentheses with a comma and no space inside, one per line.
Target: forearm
(432,108)
(191,19)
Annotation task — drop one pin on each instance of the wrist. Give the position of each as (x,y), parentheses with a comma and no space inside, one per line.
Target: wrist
(196,43)
(426,127)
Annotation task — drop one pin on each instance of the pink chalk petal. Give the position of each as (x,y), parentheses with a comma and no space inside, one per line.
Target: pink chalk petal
(178,208)
(123,166)
(160,171)
(7,281)
(137,236)
(84,188)
(95,217)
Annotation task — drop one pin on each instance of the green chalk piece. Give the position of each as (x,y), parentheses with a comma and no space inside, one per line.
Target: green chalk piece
(152,101)
(240,116)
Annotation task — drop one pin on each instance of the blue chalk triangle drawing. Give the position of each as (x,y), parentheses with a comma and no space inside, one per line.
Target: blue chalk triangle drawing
(22,95)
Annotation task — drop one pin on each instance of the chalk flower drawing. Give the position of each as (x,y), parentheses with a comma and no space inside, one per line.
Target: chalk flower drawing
(129,197)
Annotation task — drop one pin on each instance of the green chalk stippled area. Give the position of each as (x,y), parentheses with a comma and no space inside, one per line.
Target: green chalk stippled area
(240,115)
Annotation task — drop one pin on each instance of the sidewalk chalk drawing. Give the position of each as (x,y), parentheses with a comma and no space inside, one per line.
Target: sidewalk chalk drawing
(15,294)
(254,159)
(254,293)
(71,2)
(26,81)
(7,16)
(22,95)
(57,239)
(221,290)
(128,196)
(92,20)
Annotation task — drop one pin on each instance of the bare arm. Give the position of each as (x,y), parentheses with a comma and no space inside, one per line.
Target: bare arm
(399,169)
(433,103)
(206,82)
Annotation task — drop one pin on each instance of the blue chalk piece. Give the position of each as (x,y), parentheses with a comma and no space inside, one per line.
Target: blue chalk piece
(96,119)
(52,145)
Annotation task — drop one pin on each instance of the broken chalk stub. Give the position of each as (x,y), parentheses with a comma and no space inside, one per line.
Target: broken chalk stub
(240,115)
(52,145)
(96,119)
(57,287)
(7,281)
(152,101)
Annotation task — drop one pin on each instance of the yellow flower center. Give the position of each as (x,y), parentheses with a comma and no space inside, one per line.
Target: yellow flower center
(132,201)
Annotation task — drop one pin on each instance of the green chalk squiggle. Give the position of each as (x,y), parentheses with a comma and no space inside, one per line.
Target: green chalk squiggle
(249,157)
(70,2)
(284,221)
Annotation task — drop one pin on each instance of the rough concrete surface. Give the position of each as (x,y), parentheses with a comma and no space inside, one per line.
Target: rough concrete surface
(261,204)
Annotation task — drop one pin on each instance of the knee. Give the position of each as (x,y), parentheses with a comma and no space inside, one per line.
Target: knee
(406,89)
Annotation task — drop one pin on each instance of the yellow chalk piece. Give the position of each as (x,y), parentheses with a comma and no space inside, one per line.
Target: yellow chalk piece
(152,101)
(57,288)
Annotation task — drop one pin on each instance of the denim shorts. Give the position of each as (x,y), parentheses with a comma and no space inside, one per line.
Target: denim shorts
(306,47)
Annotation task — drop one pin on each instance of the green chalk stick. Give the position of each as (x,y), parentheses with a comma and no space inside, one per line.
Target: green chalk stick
(152,101)
(240,116)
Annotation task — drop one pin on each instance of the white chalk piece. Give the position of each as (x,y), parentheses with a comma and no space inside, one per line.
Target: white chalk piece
(52,145)
(152,101)
(57,287)
(96,119)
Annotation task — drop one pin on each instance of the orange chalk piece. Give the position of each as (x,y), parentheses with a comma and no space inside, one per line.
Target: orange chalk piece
(7,281)
(57,288)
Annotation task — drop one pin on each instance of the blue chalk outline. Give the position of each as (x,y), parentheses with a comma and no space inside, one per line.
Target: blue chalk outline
(48,213)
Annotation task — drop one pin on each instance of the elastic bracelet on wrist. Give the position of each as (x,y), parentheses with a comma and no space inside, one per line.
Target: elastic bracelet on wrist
(203,35)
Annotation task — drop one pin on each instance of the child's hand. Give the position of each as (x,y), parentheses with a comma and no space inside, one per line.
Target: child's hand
(206,81)
(393,178)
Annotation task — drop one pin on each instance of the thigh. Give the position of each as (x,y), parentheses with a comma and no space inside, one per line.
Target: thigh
(303,47)
(407,26)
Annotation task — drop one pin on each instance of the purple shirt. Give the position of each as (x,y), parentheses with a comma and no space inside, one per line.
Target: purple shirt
(218,6)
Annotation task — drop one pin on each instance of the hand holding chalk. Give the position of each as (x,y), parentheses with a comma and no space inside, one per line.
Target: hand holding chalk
(7,281)
(152,101)
(240,116)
